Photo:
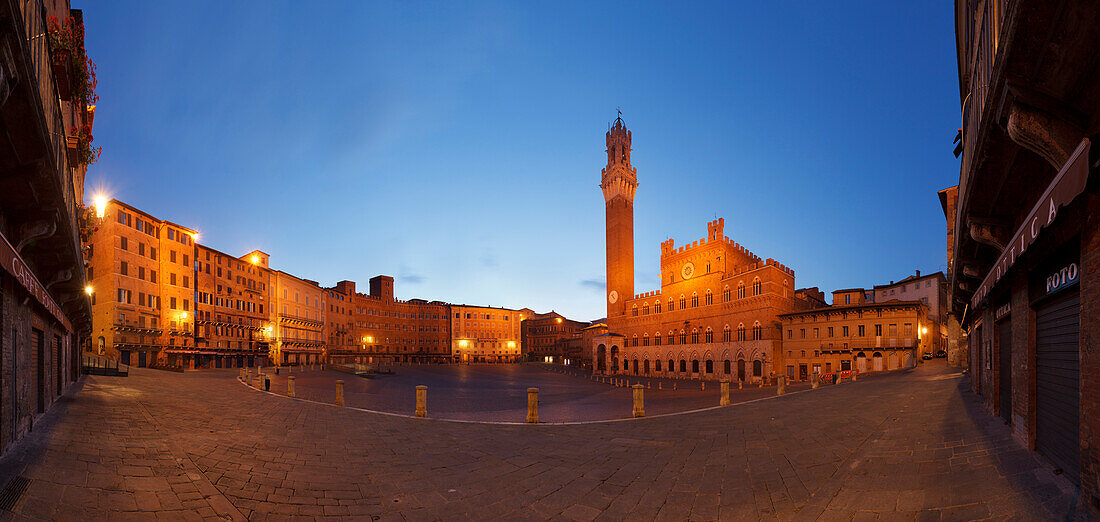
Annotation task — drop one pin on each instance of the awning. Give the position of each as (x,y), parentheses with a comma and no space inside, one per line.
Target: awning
(15,265)
(1069,182)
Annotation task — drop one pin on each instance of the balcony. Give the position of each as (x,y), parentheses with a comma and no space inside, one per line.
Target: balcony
(38,191)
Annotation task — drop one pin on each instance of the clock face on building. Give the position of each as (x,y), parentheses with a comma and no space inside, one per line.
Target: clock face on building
(687,271)
(612,297)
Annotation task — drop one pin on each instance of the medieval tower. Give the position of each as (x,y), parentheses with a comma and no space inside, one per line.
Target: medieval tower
(619,182)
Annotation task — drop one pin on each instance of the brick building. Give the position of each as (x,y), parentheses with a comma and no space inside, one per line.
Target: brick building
(854,334)
(1025,273)
(298,320)
(140,270)
(44,310)
(551,337)
(232,307)
(930,290)
(716,313)
(485,334)
(381,328)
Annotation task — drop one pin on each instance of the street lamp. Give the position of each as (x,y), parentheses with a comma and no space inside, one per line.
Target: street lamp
(89,290)
(100,203)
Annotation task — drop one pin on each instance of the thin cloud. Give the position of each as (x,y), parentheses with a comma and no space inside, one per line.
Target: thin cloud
(412,279)
(594,284)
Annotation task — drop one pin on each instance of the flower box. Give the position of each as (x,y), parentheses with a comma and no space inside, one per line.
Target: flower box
(63,73)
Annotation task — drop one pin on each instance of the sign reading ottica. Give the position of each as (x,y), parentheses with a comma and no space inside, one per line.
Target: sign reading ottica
(1069,182)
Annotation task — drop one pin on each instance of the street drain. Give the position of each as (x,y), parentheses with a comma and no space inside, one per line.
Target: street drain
(12,491)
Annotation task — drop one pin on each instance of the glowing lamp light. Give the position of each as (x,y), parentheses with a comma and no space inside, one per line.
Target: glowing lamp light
(100,203)
(558,319)
(462,344)
(511,344)
(89,290)
(924,330)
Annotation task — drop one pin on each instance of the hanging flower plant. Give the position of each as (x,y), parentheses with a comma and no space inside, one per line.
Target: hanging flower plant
(85,154)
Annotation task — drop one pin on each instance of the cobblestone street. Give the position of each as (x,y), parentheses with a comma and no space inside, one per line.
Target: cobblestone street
(200,445)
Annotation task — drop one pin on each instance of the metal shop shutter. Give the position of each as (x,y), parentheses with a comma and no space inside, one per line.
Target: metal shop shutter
(1057,394)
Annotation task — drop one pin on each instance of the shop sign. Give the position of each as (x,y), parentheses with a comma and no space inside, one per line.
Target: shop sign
(1002,311)
(1066,277)
(15,265)
(1069,182)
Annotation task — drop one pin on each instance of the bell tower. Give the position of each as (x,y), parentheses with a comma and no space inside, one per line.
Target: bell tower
(619,181)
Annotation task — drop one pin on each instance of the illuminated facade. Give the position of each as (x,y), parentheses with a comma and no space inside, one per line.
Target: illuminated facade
(854,334)
(140,268)
(232,307)
(380,328)
(716,313)
(551,337)
(299,319)
(485,334)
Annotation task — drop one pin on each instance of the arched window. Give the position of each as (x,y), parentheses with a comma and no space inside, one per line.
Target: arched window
(709,336)
(726,294)
(683,336)
(709,298)
(657,339)
(671,365)
(657,306)
(694,299)
(756,286)
(757,331)
(645,339)
(657,365)
(740,289)
(634,310)
(726,333)
(635,339)
(741,332)
(671,337)
(683,302)
(645,308)
(694,336)
(671,306)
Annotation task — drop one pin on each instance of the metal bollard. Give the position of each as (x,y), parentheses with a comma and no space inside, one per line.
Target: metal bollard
(639,410)
(780,385)
(421,401)
(339,393)
(533,405)
(813,381)
(290,386)
(725,400)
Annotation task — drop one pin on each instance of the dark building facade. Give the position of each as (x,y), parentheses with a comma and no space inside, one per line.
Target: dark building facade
(551,337)
(45,122)
(1025,271)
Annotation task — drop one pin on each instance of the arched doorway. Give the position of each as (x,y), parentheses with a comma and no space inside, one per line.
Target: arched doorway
(907,359)
(757,368)
(601,358)
(671,366)
(861,362)
(683,366)
(635,367)
(101,343)
(877,358)
(741,369)
(726,366)
(645,366)
(710,366)
(892,362)
(614,358)
(695,366)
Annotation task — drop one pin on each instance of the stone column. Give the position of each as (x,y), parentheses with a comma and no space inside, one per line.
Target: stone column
(639,410)
(421,401)
(533,405)
(290,386)
(725,400)
(781,385)
(339,393)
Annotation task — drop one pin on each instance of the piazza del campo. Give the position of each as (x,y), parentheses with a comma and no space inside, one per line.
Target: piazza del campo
(342,260)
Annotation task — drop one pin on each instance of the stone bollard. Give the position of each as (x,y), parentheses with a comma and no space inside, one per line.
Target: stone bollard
(854,374)
(639,410)
(702,385)
(780,385)
(674,386)
(813,381)
(725,400)
(339,393)
(290,369)
(658,385)
(740,383)
(533,405)
(421,401)
(290,386)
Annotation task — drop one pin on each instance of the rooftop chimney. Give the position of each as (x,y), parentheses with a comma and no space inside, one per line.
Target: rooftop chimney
(918,273)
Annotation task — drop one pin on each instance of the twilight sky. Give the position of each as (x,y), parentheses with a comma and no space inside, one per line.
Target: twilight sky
(458,148)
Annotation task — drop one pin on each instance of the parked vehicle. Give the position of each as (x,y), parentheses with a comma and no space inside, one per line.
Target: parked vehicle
(941,354)
(926,356)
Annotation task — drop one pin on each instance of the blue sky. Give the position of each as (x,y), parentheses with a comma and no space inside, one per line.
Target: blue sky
(458,147)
